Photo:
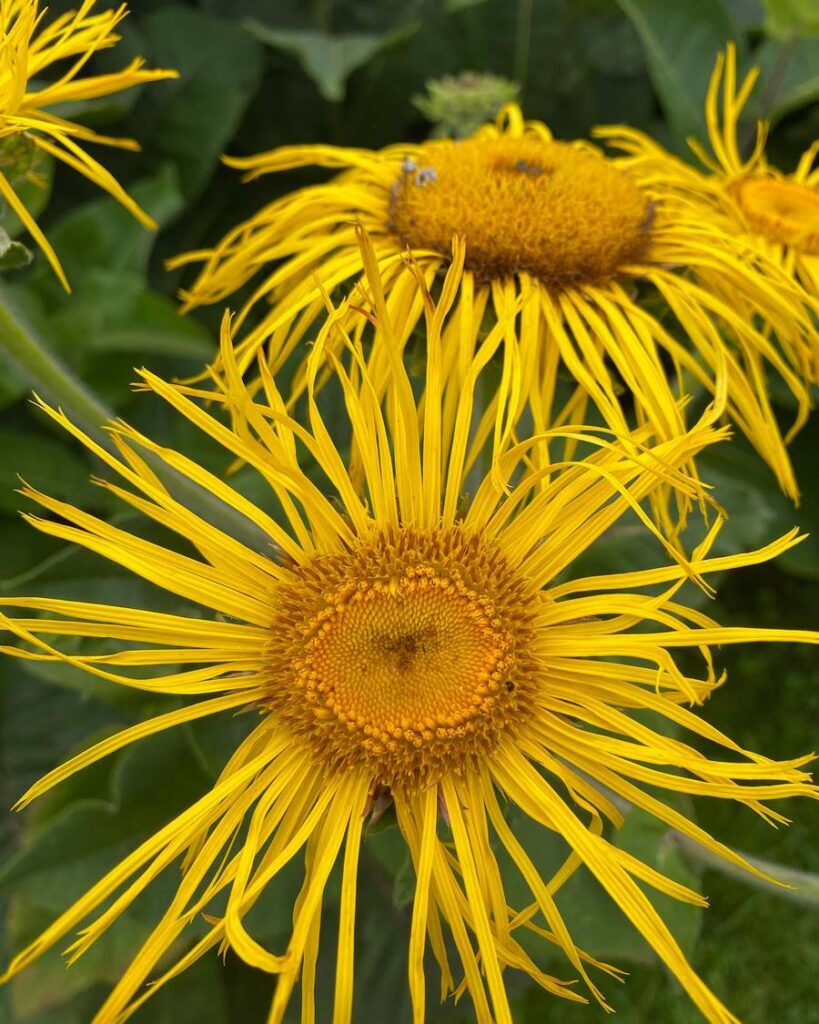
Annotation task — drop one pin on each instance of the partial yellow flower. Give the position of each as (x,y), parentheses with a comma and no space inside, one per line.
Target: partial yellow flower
(419,645)
(29,45)
(631,297)
(772,212)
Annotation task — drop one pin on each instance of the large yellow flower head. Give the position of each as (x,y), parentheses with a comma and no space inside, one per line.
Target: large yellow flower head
(772,212)
(416,646)
(630,297)
(29,46)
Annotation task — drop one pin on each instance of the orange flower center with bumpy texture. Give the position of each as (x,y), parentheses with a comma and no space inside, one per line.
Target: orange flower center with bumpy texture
(782,211)
(559,212)
(408,656)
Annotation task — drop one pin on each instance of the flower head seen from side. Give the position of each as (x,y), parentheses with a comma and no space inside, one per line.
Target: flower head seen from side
(632,298)
(774,212)
(417,642)
(30,43)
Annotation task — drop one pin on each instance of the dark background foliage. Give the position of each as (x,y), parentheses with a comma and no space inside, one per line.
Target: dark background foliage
(256,74)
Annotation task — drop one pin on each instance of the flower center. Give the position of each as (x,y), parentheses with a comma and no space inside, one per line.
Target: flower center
(783,211)
(551,209)
(426,648)
(407,656)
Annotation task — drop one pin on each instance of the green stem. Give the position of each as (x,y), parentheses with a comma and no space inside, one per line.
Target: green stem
(49,376)
(61,387)
(802,887)
(799,886)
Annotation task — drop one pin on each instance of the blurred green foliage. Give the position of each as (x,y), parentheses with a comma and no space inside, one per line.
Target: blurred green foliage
(256,74)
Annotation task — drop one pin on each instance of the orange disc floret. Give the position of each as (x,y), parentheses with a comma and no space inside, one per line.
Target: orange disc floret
(559,211)
(406,656)
(783,211)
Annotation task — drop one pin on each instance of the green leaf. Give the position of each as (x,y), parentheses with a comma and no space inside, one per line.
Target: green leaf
(107,585)
(13,255)
(200,990)
(192,119)
(215,739)
(388,848)
(24,550)
(33,189)
(150,323)
(101,234)
(112,313)
(597,924)
(329,60)
(681,42)
(112,320)
(789,77)
(94,831)
(63,856)
(47,465)
(789,18)
(39,724)
(643,836)
(757,510)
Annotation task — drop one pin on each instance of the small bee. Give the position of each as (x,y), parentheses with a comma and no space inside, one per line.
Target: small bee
(526,168)
(408,165)
(425,176)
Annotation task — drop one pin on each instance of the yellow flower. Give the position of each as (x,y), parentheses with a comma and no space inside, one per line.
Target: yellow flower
(28,48)
(420,645)
(631,297)
(773,213)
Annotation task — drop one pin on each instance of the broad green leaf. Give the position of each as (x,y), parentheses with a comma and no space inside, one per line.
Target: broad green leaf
(790,18)
(191,120)
(24,550)
(757,510)
(33,189)
(90,833)
(107,585)
(13,255)
(803,560)
(215,739)
(747,14)
(79,1009)
(681,42)
(48,987)
(650,840)
(329,60)
(55,564)
(789,77)
(113,323)
(388,848)
(198,994)
(45,463)
(62,857)
(39,726)
(101,234)
(150,323)
(597,924)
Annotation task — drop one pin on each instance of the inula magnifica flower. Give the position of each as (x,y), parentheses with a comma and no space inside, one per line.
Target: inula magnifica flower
(415,641)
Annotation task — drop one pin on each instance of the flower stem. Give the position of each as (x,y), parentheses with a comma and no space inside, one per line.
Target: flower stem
(47,374)
(803,887)
(61,387)
(799,886)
